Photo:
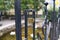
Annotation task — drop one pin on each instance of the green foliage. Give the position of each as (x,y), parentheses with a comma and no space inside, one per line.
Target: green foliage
(42,1)
(33,4)
(5,4)
(8,4)
(26,4)
(50,12)
(1,5)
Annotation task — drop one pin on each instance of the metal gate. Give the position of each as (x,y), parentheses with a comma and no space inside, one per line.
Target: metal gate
(54,21)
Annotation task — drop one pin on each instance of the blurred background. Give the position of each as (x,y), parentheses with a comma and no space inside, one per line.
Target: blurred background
(7,17)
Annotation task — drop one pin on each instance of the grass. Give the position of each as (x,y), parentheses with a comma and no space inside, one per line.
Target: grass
(7,36)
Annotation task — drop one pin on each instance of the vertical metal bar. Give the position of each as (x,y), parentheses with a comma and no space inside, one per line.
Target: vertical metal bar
(54,23)
(53,20)
(51,37)
(59,22)
(38,36)
(26,26)
(34,25)
(46,13)
(18,19)
(0,15)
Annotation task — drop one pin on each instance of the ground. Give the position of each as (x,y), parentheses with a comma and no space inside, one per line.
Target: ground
(9,37)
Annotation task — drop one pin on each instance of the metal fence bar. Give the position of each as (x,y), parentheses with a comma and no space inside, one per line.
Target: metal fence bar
(54,23)
(18,22)
(59,22)
(26,25)
(34,25)
(46,23)
(39,36)
(18,19)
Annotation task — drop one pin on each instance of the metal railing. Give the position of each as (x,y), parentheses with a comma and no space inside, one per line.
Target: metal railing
(50,25)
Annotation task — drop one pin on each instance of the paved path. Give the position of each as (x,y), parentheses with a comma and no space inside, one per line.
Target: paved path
(6,23)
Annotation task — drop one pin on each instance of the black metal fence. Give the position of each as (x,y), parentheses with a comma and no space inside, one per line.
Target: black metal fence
(50,28)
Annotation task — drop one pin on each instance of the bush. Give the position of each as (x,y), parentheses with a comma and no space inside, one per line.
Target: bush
(50,12)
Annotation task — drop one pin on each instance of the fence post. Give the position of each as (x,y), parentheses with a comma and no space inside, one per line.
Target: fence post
(59,22)
(0,17)
(26,23)
(18,19)
(26,26)
(54,24)
(34,25)
(46,13)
